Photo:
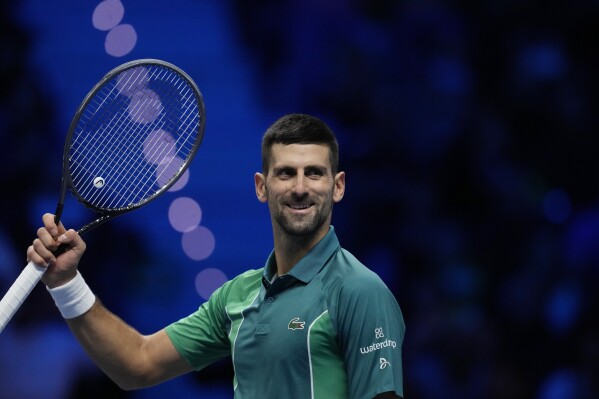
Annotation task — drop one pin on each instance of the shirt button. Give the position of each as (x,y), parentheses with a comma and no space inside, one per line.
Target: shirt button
(270,299)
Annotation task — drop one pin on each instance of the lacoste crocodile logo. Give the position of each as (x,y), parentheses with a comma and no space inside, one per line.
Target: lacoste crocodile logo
(295,324)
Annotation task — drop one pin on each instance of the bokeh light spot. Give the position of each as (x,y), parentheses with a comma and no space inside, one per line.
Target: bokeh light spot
(543,61)
(560,384)
(145,106)
(184,214)
(168,169)
(556,206)
(198,244)
(562,308)
(159,145)
(132,80)
(181,182)
(208,280)
(120,40)
(108,14)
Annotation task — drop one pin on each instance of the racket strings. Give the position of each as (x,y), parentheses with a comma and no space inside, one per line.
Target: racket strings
(190,112)
(112,141)
(124,150)
(114,157)
(131,186)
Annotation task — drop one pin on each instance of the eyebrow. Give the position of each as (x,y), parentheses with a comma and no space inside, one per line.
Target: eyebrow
(320,168)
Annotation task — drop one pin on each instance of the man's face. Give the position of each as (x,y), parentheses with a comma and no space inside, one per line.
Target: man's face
(300,188)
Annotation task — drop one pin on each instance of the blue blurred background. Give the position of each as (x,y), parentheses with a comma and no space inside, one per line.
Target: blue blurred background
(467,131)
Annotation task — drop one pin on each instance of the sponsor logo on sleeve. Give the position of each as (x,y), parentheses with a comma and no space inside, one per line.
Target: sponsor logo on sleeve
(378,345)
(383,363)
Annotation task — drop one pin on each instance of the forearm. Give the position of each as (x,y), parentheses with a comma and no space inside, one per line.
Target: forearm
(113,345)
(132,360)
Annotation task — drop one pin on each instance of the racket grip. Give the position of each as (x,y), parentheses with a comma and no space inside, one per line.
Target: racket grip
(19,291)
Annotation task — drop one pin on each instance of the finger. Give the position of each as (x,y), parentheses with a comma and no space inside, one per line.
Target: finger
(39,254)
(32,256)
(47,239)
(54,228)
(73,239)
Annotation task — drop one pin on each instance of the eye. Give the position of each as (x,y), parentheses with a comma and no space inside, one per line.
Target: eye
(315,173)
(285,173)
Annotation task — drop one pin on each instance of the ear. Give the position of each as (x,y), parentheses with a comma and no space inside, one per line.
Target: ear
(339,188)
(260,183)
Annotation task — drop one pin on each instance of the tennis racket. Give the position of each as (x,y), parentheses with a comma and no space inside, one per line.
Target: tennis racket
(132,137)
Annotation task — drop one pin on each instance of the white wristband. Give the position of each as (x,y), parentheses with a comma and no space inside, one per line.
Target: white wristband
(73,298)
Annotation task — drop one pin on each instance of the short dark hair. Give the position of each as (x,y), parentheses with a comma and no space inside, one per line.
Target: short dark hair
(299,129)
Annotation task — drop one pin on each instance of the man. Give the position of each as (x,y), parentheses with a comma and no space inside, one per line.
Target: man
(313,323)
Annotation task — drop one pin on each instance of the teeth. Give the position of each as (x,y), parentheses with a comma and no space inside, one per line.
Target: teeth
(299,206)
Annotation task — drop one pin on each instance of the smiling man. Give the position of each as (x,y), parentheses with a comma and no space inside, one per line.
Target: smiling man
(300,184)
(302,188)
(314,322)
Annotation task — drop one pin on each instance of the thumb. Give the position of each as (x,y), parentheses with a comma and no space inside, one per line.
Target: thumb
(73,240)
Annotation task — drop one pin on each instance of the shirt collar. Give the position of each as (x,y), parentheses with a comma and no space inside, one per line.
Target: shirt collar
(311,264)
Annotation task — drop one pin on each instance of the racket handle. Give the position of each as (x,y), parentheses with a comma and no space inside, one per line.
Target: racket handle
(19,291)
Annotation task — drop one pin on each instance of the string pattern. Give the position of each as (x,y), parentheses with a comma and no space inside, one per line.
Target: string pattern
(133,138)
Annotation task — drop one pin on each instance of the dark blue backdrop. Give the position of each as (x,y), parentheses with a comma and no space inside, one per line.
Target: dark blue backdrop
(468,133)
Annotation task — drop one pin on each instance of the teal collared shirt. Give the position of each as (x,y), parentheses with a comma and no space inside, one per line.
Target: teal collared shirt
(330,328)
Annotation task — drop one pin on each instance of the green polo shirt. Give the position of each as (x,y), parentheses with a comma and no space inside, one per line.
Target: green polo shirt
(330,328)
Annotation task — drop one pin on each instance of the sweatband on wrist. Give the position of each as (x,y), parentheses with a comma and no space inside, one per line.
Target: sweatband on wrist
(73,298)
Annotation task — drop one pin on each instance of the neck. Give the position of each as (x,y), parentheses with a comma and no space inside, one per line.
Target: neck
(291,249)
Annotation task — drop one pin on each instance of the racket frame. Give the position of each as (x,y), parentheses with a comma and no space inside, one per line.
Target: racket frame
(67,183)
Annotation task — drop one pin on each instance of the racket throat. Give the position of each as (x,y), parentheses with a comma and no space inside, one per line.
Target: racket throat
(58,212)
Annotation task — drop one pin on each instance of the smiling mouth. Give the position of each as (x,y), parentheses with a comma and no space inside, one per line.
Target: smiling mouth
(299,207)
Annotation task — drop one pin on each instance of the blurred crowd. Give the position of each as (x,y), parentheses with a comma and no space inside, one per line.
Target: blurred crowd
(469,137)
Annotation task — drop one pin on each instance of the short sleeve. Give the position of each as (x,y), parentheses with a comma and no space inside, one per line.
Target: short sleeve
(201,337)
(371,331)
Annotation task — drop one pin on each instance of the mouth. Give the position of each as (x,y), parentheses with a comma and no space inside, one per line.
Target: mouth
(299,207)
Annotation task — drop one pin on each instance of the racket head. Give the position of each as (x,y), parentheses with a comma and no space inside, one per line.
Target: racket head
(133,136)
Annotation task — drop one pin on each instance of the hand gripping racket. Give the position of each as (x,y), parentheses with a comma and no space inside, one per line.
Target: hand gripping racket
(132,137)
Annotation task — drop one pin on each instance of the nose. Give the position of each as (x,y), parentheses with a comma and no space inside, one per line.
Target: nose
(299,188)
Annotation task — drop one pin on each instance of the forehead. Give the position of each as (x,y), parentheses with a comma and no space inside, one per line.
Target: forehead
(299,155)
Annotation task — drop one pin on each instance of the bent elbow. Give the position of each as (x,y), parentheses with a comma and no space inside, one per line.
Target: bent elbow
(131,382)
(129,385)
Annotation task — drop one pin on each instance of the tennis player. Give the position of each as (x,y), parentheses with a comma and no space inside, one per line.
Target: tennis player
(314,322)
